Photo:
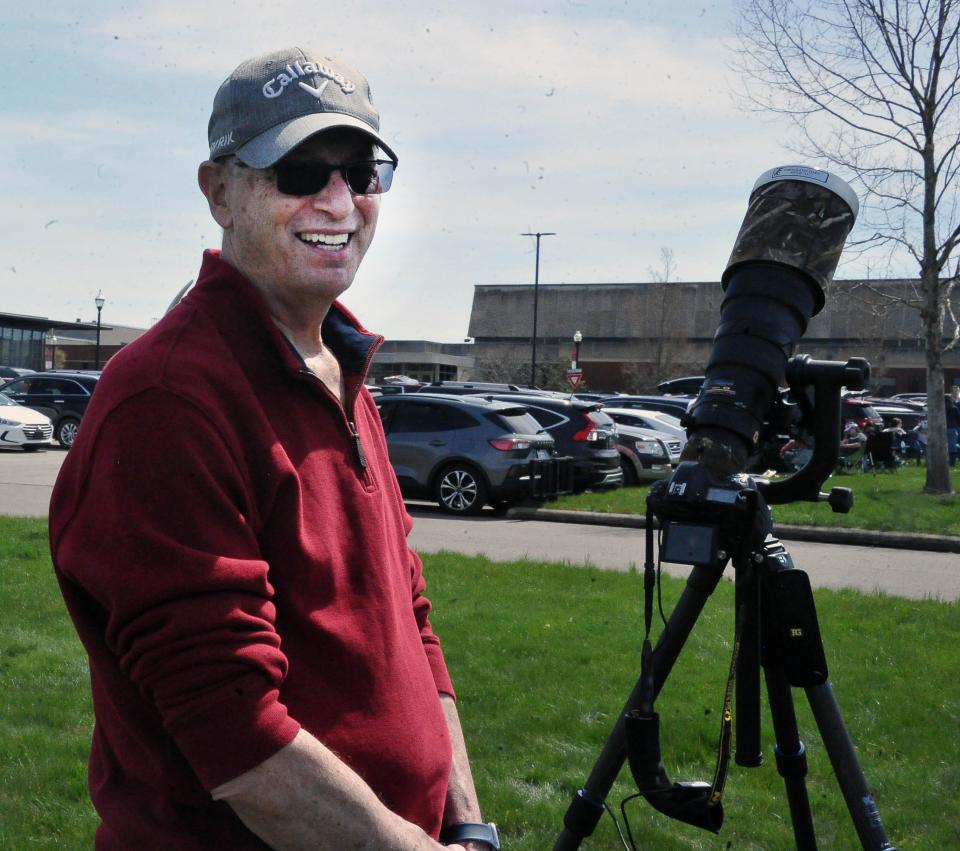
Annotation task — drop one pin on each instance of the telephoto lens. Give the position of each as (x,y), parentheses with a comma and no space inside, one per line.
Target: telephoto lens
(784,257)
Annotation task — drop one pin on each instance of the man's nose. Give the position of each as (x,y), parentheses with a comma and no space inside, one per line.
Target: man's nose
(335,198)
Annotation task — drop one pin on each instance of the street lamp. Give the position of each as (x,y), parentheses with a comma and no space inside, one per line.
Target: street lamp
(99,301)
(536,292)
(577,340)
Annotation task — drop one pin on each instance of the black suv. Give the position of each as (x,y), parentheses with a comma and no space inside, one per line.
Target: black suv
(676,405)
(581,430)
(62,396)
(466,451)
(470,388)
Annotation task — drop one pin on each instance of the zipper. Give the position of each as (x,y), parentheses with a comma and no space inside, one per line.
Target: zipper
(351,425)
(361,455)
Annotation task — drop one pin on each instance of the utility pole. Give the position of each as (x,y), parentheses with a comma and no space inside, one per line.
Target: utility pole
(536,293)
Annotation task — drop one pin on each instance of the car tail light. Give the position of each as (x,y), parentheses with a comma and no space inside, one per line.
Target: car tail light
(589,432)
(505,444)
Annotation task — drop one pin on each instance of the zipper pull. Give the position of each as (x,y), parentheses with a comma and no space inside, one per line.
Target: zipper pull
(361,455)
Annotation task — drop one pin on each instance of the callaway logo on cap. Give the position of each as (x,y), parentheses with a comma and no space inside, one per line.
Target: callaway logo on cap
(272,103)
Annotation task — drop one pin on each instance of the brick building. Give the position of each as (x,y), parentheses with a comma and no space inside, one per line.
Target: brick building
(637,334)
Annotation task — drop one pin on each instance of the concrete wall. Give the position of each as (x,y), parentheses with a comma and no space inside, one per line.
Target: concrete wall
(668,328)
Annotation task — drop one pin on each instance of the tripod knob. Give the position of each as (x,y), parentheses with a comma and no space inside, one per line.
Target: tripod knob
(841,500)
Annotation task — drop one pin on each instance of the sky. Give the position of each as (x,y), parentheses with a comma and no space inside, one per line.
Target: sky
(610,122)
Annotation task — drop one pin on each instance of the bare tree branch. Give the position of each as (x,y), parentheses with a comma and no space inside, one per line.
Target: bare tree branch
(872,87)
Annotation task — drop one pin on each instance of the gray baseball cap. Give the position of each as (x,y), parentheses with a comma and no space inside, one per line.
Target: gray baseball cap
(272,103)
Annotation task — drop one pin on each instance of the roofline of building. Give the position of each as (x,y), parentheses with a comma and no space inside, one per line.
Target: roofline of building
(877,281)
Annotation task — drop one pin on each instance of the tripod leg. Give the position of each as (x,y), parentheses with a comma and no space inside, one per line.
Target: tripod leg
(586,808)
(790,621)
(846,767)
(748,750)
(791,756)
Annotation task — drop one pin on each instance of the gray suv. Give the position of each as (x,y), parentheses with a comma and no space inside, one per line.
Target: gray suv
(582,431)
(467,451)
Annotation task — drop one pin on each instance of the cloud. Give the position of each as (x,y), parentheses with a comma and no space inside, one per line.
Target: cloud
(607,122)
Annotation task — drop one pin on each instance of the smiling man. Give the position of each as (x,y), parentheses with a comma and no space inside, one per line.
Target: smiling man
(228,532)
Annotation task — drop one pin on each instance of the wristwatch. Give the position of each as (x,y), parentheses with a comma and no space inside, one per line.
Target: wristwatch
(471,832)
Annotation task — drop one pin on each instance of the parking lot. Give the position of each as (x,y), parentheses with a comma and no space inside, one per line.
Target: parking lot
(26,480)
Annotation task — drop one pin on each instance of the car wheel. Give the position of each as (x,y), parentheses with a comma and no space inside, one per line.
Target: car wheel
(459,489)
(630,477)
(67,432)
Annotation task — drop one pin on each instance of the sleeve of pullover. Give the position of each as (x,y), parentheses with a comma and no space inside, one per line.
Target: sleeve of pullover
(155,527)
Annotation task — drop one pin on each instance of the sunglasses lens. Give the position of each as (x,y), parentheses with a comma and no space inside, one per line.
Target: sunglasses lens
(366,178)
(296,179)
(369,178)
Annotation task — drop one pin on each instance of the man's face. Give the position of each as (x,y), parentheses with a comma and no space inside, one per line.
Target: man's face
(299,250)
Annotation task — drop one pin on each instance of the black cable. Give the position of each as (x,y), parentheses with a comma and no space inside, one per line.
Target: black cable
(626,821)
(616,824)
(663,617)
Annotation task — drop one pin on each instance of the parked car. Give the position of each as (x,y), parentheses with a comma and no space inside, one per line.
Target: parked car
(8,373)
(676,405)
(689,385)
(23,427)
(646,455)
(653,420)
(62,396)
(469,388)
(596,396)
(392,389)
(582,431)
(856,409)
(467,451)
(909,415)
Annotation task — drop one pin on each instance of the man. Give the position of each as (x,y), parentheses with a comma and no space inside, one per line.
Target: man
(228,532)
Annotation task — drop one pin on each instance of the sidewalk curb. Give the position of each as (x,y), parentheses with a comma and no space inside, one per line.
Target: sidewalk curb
(817,534)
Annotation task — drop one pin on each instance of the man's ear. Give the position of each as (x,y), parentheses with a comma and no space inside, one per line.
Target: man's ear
(213,178)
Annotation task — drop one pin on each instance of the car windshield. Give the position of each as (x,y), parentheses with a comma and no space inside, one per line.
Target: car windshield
(6,400)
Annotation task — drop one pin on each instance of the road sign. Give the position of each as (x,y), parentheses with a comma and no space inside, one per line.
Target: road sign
(574,376)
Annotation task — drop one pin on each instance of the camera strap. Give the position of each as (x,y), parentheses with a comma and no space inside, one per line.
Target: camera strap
(726,726)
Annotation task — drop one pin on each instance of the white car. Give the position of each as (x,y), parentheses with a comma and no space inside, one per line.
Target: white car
(22,426)
(656,420)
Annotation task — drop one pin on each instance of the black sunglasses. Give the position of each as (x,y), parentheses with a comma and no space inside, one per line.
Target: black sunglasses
(367,177)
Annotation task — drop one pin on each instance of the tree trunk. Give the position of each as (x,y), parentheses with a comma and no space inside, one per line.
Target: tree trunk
(938,470)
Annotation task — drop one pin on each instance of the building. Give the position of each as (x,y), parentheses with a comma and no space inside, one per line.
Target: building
(422,360)
(73,347)
(637,334)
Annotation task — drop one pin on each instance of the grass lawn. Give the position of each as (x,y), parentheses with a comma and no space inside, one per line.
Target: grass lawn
(544,656)
(888,501)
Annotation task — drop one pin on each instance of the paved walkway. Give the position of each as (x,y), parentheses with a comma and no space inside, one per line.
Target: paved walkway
(905,573)
(26,480)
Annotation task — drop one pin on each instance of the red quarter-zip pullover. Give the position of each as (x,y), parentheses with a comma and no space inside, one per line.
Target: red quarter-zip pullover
(231,544)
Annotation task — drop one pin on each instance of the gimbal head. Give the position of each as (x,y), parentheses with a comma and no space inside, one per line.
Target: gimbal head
(826,378)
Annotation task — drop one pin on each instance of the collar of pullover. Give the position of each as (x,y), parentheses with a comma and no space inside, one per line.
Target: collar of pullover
(241,314)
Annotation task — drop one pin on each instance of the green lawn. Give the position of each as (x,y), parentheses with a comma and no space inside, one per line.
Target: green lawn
(544,656)
(890,501)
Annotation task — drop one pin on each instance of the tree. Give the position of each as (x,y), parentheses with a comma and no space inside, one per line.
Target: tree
(872,88)
(671,349)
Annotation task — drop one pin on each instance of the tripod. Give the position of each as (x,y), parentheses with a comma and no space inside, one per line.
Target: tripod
(777,623)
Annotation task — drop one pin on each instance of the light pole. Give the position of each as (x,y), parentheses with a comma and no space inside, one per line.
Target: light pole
(99,301)
(577,340)
(536,293)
